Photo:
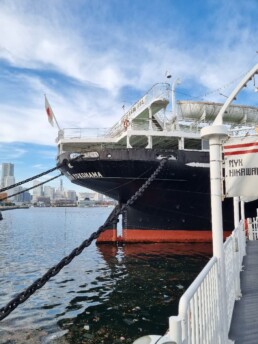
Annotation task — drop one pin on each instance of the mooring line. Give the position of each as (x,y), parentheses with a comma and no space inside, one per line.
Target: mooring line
(113,217)
(33,187)
(38,175)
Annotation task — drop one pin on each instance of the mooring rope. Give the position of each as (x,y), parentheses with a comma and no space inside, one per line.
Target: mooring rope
(38,175)
(29,179)
(33,187)
(112,218)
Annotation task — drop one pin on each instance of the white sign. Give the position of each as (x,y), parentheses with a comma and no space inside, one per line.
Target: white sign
(241,167)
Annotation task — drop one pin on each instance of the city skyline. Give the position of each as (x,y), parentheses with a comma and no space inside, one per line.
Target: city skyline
(23,173)
(41,191)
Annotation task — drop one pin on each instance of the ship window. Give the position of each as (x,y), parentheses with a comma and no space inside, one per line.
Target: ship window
(193,144)
(108,155)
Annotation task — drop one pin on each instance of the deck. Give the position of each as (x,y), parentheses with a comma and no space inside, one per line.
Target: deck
(244,325)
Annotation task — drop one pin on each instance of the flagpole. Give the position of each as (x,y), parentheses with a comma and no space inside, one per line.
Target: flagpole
(56,122)
(52,113)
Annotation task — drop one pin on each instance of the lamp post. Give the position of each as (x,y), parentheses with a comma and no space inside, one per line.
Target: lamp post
(215,133)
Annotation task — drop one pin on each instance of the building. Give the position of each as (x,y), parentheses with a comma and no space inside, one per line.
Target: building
(83,195)
(60,191)
(98,197)
(71,194)
(3,197)
(44,201)
(7,177)
(24,197)
(37,191)
(49,191)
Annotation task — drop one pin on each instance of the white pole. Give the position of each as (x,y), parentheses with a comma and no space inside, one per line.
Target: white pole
(236,211)
(215,133)
(174,83)
(173,99)
(242,210)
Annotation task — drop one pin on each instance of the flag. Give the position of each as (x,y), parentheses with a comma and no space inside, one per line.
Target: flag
(241,167)
(50,113)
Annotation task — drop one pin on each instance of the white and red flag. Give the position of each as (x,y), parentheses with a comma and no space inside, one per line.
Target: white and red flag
(241,167)
(50,113)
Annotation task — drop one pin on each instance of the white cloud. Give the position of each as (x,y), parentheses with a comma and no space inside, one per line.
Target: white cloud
(47,38)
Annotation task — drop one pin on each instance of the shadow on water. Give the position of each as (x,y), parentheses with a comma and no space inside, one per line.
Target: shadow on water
(137,294)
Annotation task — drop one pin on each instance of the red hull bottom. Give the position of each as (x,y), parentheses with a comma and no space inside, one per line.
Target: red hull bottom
(153,236)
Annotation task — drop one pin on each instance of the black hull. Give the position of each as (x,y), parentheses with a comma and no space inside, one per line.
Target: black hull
(177,200)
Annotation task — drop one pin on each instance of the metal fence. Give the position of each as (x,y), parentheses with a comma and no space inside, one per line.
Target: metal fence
(200,320)
(252,231)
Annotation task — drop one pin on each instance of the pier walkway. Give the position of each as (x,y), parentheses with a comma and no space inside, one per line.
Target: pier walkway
(244,323)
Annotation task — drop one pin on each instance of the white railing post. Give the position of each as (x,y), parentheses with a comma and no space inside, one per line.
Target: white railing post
(250,229)
(242,210)
(215,134)
(237,264)
(236,211)
(175,330)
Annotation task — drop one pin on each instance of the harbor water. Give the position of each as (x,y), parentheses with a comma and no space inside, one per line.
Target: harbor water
(105,295)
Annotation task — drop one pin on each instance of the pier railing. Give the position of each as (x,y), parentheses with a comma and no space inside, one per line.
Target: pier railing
(200,319)
(252,230)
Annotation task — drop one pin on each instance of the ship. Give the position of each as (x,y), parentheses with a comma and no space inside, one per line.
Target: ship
(176,206)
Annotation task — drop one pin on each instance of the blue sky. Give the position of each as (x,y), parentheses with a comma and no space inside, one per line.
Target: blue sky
(91,57)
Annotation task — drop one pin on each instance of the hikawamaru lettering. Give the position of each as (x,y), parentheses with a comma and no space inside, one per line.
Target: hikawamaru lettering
(241,172)
(88,175)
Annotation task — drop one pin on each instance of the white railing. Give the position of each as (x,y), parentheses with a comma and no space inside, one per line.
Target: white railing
(79,133)
(200,318)
(234,251)
(252,228)
(199,307)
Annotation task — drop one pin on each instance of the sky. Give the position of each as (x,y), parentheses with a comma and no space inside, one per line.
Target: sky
(91,57)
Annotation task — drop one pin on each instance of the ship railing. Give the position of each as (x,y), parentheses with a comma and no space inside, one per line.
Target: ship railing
(158,91)
(162,122)
(243,131)
(78,133)
(200,319)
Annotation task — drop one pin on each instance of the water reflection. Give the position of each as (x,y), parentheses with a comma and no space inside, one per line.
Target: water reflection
(106,295)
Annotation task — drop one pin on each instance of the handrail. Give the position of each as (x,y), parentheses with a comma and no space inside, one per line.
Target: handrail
(186,297)
(199,319)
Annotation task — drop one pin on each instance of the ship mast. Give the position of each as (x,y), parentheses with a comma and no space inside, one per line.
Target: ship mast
(173,97)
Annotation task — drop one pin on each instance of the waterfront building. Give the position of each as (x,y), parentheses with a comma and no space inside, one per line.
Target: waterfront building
(37,191)
(49,191)
(44,201)
(3,196)
(59,194)
(71,194)
(83,195)
(7,177)
(25,197)
(98,197)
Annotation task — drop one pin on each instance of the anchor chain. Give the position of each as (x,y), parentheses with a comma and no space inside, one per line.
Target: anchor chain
(40,282)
